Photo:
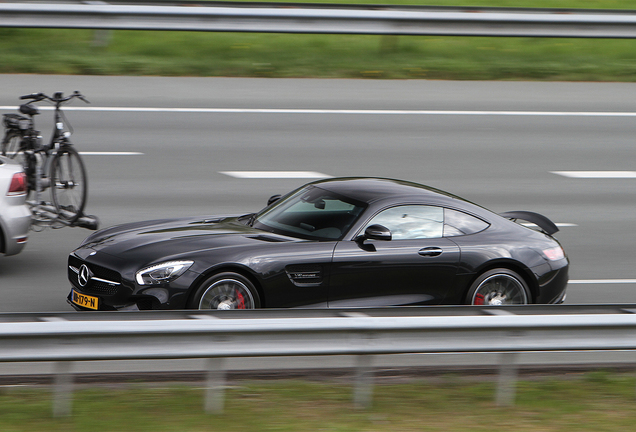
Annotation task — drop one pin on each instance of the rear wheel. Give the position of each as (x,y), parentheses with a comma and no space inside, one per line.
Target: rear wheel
(68,184)
(226,291)
(11,147)
(498,287)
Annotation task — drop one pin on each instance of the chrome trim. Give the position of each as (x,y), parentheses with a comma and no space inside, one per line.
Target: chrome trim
(105,281)
(76,271)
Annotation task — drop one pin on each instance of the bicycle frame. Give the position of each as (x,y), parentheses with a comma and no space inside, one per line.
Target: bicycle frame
(58,139)
(57,165)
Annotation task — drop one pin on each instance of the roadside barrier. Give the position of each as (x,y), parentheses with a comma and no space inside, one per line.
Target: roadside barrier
(340,19)
(218,335)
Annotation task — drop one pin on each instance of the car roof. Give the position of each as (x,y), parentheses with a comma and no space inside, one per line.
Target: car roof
(372,189)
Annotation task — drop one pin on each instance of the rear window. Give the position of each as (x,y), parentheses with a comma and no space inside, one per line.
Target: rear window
(457,223)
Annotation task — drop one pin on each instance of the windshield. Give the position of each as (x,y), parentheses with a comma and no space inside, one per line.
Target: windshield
(311,213)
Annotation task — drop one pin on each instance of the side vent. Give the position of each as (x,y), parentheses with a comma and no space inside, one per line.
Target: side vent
(303,275)
(267,239)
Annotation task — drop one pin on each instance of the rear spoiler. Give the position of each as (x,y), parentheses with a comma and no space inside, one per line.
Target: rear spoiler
(546,225)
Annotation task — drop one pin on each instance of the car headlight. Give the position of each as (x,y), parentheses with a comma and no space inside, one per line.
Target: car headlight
(162,273)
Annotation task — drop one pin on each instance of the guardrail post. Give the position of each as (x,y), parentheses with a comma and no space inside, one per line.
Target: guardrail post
(215,386)
(101,38)
(63,388)
(363,387)
(507,381)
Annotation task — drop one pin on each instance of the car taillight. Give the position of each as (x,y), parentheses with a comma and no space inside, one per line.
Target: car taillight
(554,254)
(18,184)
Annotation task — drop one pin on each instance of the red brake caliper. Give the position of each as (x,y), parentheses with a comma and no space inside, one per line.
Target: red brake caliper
(241,302)
(479,299)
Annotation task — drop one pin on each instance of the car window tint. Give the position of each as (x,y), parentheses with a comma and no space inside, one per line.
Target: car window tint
(311,213)
(411,221)
(325,204)
(457,223)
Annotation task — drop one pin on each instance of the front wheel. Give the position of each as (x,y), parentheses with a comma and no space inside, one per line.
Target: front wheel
(68,184)
(498,287)
(226,291)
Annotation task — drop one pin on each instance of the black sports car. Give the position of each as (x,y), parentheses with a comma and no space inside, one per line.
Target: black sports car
(348,242)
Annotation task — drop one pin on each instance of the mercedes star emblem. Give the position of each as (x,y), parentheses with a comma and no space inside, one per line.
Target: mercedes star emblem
(84,275)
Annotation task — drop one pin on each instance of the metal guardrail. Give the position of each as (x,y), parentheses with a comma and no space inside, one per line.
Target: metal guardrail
(293,19)
(217,335)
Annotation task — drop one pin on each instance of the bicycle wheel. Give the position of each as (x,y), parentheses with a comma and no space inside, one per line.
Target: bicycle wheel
(68,184)
(11,145)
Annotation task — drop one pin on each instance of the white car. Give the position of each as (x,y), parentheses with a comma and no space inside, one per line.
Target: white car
(15,215)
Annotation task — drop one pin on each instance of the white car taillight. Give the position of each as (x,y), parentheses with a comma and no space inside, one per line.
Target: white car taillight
(18,184)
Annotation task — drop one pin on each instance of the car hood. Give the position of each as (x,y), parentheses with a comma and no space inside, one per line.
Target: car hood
(174,237)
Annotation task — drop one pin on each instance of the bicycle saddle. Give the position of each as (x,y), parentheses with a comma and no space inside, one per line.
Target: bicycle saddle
(29,109)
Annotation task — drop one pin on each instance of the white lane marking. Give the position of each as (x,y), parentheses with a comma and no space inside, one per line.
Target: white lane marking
(496,311)
(343,111)
(274,174)
(354,315)
(110,153)
(596,174)
(603,281)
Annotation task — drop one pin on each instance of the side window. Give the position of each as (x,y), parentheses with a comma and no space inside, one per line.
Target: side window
(412,221)
(457,223)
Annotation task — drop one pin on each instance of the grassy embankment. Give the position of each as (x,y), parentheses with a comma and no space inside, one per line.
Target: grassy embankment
(328,56)
(593,402)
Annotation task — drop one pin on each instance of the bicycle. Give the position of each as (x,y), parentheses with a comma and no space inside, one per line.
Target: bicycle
(57,165)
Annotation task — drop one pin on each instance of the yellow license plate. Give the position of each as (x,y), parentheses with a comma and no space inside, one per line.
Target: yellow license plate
(85,300)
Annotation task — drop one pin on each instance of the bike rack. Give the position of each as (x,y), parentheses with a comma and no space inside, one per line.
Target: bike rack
(37,161)
(46,215)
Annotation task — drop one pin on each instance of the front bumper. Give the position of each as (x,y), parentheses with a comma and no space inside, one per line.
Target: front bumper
(110,291)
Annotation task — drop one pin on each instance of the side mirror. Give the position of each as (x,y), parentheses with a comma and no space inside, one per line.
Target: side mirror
(273,199)
(376,232)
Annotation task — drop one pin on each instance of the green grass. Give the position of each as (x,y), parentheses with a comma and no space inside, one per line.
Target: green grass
(325,56)
(47,51)
(593,402)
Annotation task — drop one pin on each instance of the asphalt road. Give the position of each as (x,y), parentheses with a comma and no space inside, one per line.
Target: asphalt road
(495,143)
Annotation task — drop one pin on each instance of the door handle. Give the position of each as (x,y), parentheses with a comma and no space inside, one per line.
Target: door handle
(430,251)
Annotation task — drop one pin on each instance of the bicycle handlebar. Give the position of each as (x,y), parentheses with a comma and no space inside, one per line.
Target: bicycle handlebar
(57,98)
(33,96)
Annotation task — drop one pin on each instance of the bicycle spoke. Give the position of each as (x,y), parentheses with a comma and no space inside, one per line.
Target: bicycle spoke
(69,192)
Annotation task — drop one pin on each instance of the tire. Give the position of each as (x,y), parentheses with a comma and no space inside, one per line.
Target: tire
(498,287)
(225,291)
(11,147)
(69,185)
